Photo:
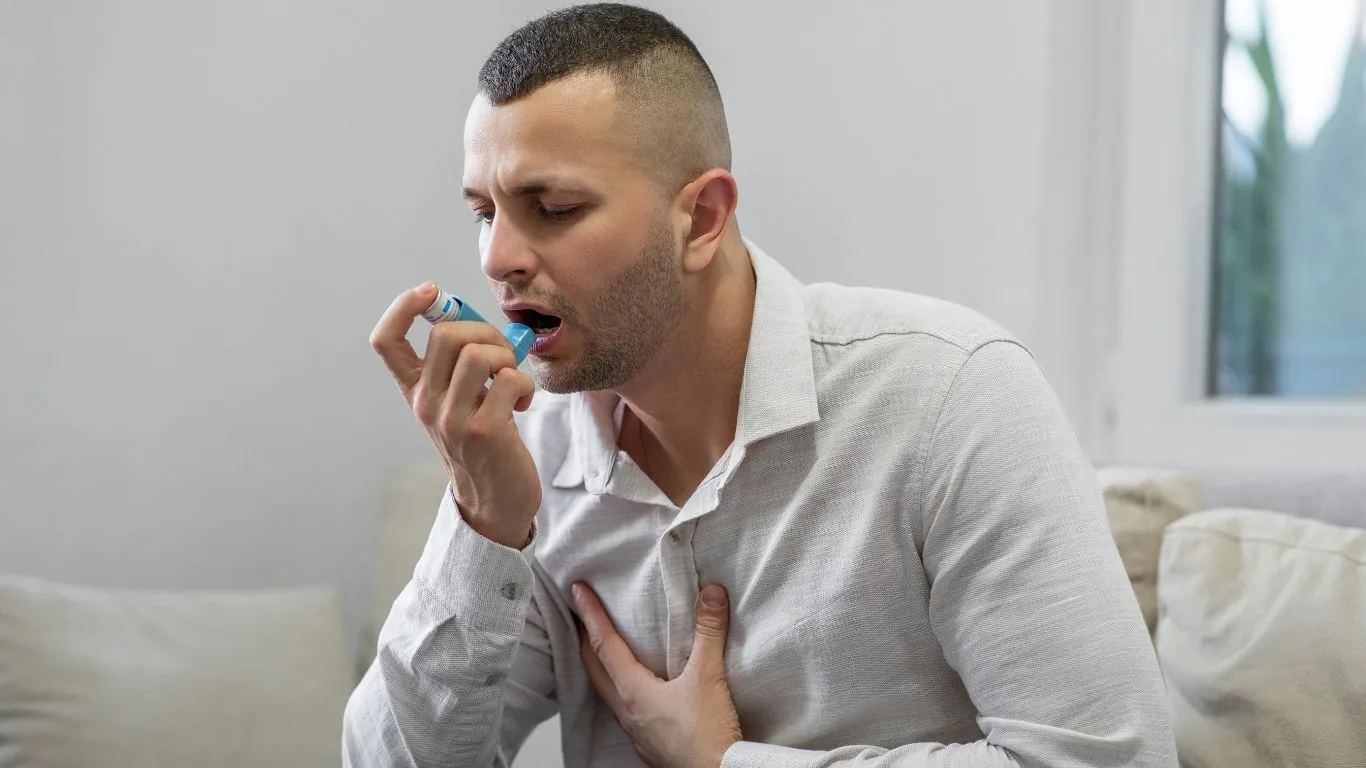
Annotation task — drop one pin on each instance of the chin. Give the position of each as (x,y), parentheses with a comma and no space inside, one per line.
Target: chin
(553,377)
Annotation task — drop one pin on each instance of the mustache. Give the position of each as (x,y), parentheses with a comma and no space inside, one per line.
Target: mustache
(550,300)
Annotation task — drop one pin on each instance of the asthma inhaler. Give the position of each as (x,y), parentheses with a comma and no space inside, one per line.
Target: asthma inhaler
(448,308)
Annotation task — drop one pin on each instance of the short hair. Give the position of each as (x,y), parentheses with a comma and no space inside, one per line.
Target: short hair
(662,80)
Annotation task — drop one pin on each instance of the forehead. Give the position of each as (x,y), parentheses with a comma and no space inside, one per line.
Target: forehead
(568,127)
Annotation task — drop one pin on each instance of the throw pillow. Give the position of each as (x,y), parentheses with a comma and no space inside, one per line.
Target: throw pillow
(1262,639)
(1140,502)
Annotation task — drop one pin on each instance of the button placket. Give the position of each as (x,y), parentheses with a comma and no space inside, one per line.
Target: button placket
(678,564)
(679,573)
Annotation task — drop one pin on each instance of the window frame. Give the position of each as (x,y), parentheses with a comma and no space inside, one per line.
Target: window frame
(1165,209)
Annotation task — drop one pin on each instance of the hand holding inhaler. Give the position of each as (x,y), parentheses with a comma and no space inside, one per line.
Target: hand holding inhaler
(467,417)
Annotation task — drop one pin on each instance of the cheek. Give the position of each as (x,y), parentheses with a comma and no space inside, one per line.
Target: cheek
(586,261)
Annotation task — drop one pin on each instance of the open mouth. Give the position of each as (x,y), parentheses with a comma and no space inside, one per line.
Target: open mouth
(539,322)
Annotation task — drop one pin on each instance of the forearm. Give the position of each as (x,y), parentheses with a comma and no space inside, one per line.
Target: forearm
(439,686)
(434,696)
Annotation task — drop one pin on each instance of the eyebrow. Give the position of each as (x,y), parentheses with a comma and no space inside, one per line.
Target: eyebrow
(528,189)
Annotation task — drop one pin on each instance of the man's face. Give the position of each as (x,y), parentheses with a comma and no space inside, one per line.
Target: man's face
(574,224)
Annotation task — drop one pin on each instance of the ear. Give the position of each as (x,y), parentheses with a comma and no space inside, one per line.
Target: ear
(708,202)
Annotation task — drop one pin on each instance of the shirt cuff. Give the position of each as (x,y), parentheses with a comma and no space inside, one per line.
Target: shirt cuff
(474,576)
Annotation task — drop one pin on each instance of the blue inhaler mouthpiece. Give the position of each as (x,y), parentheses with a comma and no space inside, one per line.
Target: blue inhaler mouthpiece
(521,337)
(448,308)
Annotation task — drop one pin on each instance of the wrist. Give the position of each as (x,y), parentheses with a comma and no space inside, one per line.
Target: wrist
(721,758)
(516,536)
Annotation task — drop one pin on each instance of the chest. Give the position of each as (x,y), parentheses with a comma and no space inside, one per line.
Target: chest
(829,631)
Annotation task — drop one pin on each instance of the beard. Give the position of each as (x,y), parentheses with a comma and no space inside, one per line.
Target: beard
(626,325)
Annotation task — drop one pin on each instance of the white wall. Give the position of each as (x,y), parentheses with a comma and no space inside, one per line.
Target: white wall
(942,148)
(205,206)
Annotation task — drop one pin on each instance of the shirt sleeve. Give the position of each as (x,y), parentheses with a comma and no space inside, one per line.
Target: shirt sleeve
(463,672)
(1028,596)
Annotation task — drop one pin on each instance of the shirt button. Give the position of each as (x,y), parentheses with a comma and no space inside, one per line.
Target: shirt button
(510,591)
(674,537)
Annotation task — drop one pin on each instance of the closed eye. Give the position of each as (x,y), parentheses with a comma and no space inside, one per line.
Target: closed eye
(559,214)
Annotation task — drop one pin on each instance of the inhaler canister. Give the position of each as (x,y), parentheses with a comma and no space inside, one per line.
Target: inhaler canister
(449,308)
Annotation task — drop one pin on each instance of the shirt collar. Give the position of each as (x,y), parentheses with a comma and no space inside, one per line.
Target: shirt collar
(777,394)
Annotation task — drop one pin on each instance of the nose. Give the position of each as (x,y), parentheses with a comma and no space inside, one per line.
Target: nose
(504,253)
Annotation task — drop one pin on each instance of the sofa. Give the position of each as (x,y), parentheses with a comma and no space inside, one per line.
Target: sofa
(1253,587)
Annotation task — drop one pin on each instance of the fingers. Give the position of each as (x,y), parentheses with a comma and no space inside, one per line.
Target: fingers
(476,364)
(511,390)
(625,674)
(446,344)
(390,336)
(713,621)
(597,675)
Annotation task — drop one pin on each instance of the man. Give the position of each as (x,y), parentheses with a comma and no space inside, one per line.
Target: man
(746,522)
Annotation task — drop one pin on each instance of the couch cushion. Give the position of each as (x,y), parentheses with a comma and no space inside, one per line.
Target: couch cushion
(91,677)
(1140,502)
(1262,639)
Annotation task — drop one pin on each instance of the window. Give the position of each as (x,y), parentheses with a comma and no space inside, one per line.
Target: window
(1289,287)
(1236,221)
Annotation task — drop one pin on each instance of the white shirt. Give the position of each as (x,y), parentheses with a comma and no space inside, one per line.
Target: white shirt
(915,548)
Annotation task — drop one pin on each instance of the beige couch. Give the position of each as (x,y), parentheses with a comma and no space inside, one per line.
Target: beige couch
(1255,590)
(1259,620)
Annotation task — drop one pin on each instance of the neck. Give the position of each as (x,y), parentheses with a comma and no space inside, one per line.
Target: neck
(686,402)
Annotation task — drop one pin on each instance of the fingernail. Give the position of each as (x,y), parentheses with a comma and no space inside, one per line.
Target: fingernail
(426,287)
(577,591)
(713,596)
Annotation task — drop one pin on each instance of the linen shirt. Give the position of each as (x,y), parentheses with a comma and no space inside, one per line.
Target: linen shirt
(915,549)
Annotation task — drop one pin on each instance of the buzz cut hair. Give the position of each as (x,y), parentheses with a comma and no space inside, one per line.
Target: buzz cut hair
(665,90)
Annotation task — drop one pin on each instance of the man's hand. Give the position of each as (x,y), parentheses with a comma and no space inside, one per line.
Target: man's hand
(687,722)
(492,474)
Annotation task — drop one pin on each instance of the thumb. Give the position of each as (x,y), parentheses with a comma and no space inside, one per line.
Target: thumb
(713,619)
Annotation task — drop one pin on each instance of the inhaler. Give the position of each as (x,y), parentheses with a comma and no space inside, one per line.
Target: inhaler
(449,308)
